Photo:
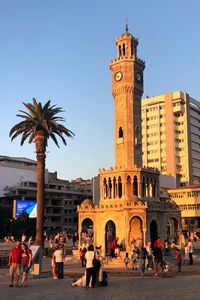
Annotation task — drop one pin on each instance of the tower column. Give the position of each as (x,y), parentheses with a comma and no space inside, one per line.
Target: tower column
(144,236)
(139,189)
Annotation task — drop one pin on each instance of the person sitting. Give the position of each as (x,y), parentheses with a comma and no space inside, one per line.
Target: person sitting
(117,251)
(81,281)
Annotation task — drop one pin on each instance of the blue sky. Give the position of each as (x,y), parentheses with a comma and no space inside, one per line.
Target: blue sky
(60,50)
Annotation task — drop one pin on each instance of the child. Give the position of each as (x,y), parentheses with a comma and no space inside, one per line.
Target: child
(178,260)
(126,260)
(134,260)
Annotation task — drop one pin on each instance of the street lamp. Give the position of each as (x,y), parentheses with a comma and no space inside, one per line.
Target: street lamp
(11,220)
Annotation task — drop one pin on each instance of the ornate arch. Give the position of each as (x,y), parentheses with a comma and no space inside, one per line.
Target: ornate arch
(136,226)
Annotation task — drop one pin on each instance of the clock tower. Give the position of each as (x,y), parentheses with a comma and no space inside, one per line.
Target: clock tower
(129,207)
(127,89)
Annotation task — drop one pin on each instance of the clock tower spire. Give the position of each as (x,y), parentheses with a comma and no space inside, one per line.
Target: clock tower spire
(127,89)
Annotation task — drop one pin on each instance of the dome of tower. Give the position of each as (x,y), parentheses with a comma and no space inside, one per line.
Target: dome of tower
(87,204)
(126,34)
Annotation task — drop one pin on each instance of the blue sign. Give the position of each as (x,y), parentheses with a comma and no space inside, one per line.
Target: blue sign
(28,206)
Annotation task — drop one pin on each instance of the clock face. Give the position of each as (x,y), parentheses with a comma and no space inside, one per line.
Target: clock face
(138,77)
(118,76)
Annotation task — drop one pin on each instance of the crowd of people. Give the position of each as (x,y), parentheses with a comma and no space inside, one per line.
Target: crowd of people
(140,258)
(151,256)
(9,239)
(146,258)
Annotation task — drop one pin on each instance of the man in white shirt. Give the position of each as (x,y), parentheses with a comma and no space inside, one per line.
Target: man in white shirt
(58,262)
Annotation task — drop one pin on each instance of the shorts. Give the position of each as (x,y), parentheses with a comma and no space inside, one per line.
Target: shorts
(25,268)
(15,269)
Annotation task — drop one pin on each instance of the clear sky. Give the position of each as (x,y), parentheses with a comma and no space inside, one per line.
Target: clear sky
(60,50)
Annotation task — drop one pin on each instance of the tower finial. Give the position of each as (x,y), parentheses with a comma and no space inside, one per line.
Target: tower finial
(126,29)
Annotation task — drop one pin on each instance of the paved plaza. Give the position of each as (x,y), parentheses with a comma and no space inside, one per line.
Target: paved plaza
(123,284)
(179,287)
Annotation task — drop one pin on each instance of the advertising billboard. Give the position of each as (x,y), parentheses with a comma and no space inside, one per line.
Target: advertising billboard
(28,206)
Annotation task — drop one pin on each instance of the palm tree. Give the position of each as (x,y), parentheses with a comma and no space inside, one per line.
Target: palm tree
(40,123)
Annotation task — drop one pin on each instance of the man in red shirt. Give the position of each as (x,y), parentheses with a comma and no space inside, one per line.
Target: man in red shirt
(113,245)
(158,242)
(14,263)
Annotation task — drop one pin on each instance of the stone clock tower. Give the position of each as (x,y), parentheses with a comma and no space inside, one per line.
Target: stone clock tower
(130,207)
(127,89)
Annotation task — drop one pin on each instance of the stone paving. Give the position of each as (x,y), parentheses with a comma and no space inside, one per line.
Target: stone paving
(123,284)
(182,287)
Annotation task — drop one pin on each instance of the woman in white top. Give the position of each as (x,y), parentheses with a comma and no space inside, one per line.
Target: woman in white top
(90,270)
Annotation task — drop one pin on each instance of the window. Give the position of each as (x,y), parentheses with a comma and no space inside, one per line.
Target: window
(124,49)
(153,160)
(120,132)
(120,50)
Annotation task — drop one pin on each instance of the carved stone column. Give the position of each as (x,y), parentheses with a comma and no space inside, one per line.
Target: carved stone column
(144,236)
(139,189)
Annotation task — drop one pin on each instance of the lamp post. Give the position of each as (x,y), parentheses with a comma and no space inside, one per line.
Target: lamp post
(11,220)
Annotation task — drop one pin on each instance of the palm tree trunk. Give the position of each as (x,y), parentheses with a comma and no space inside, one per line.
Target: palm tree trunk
(40,150)
(40,198)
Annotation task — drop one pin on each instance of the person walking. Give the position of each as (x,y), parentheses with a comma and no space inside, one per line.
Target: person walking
(126,260)
(158,243)
(157,256)
(134,260)
(166,246)
(58,263)
(141,260)
(14,262)
(190,249)
(149,257)
(91,271)
(83,251)
(186,250)
(178,259)
(26,263)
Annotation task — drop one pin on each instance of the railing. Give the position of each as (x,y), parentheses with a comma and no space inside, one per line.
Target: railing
(4,255)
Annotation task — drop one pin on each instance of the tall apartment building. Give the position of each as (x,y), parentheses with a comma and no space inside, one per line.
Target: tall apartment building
(171,136)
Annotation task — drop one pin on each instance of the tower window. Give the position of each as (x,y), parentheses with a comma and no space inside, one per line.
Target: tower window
(131,49)
(120,50)
(120,132)
(124,49)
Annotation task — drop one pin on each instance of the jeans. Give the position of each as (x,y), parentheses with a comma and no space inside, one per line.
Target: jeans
(91,272)
(141,263)
(179,266)
(191,259)
(59,269)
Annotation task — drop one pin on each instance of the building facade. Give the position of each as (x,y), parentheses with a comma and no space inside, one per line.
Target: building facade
(188,199)
(15,170)
(130,207)
(171,136)
(18,182)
